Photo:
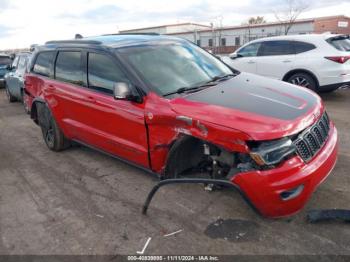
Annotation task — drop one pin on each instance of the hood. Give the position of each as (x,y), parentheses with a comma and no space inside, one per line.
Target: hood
(262,108)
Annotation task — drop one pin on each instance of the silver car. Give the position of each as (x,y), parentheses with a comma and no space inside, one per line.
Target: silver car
(14,79)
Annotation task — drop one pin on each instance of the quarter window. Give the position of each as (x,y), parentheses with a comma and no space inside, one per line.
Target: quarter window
(68,67)
(271,48)
(103,73)
(43,63)
(301,47)
(249,50)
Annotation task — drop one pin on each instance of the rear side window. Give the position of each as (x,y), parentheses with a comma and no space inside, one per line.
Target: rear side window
(22,62)
(271,48)
(15,61)
(341,43)
(103,73)
(301,47)
(43,63)
(68,67)
(249,50)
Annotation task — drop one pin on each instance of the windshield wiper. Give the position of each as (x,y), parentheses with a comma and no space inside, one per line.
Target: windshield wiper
(221,78)
(211,82)
(188,89)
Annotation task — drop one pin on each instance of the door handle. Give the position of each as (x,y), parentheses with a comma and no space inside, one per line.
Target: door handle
(251,62)
(286,61)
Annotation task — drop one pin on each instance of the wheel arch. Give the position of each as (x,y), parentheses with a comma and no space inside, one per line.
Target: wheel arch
(34,109)
(301,70)
(181,148)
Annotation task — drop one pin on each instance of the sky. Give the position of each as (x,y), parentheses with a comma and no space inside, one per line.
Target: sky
(24,22)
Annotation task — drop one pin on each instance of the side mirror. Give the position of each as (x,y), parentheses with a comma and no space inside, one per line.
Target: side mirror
(122,91)
(234,56)
(218,57)
(9,67)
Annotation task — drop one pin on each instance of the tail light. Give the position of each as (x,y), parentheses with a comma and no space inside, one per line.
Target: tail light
(338,59)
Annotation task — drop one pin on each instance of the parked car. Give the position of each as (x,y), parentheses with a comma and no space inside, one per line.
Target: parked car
(168,106)
(5,61)
(319,62)
(14,78)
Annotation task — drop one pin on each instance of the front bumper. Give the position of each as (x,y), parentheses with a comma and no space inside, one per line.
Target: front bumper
(264,188)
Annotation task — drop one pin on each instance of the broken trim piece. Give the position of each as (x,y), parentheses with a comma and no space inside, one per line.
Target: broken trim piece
(314,216)
(194,181)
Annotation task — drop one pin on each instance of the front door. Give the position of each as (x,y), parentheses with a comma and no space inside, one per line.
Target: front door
(246,59)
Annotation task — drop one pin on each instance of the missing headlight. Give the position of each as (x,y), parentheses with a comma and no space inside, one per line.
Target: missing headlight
(272,152)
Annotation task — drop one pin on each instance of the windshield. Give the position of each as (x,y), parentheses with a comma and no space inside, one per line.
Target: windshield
(341,43)
(4,60)
(166,67)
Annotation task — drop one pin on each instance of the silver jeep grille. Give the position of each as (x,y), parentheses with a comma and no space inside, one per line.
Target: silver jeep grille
(310,141)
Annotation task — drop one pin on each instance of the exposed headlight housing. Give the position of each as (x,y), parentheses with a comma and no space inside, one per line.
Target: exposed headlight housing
(272,152)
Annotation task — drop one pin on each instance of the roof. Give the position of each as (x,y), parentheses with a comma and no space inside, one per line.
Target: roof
(163,26)
(113,41)
(296,37)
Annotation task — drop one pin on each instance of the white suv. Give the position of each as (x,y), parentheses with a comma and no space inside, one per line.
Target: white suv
(318,62)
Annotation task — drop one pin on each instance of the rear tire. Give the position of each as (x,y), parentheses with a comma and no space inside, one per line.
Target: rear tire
(10,97)
(52,134)
(304,80)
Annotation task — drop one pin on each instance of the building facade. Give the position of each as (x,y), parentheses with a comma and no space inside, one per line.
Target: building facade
(226,40)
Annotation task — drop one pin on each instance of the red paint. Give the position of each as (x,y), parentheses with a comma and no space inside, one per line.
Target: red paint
(120,128)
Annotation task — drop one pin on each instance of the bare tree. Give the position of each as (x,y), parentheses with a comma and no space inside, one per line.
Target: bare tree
(256,20)
(289,12)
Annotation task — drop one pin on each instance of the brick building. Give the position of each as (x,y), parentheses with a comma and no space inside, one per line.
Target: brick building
(227,39)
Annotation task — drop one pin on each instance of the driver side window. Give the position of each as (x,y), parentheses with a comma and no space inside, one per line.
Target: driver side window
(249,50)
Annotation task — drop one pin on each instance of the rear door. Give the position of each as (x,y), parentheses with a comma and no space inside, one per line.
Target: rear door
(275,58)
(246,58)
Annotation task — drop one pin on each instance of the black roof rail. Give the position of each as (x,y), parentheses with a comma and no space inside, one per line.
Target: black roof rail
(133,34)
(78,41)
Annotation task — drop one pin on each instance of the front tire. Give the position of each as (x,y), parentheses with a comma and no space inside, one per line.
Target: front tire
(52,134)
(10,97)
(304,80)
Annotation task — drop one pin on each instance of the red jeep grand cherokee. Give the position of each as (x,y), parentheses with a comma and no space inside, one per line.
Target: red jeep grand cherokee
(168,106)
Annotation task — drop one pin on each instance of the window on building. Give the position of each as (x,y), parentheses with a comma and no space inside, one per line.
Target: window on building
(43,63)
(271,48)
(199,42)
(237,40)
(210,42)
(223,41)
(68,67)
(103,73)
